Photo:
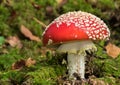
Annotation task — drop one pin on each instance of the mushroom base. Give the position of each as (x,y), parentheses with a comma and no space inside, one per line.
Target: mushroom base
(76,56)
(76,66)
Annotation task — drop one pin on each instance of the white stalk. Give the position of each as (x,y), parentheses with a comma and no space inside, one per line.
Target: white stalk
(76,64)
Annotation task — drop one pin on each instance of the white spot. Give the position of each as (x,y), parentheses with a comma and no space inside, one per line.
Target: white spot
(87,24)
(103,28)
(82,26)
(76,24)
(97,36)
(76,36)
(61,42)
(94,24)
(100,37)
(103,32)
(91,32)
(90,22)
(90,37)
(94,38)
(88,28)
(57,25)
(86,20)
(96,31)
(87,32)
(50,41)
(49,36)
(97,26)
(100,34)
(68,24)
(93,28)
(93,35)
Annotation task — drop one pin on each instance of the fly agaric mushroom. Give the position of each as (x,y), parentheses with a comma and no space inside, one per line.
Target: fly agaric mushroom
(74,33)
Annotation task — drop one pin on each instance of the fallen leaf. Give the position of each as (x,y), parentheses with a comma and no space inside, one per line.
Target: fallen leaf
(49,9)
(92,2)
(18,65)
(29,62)
(27,33)
(61,2)
(36,6)
(97,82)
(14,41)
(112,50)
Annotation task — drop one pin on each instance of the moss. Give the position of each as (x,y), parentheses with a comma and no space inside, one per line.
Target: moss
(9,58)
(105,65)
(47,74)
(107,3)
(2,40)
(77,5)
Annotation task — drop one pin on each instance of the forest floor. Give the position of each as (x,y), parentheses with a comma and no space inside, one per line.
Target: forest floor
(25,61)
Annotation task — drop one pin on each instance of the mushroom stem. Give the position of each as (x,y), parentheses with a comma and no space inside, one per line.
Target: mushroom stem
(76,56)
(76,65)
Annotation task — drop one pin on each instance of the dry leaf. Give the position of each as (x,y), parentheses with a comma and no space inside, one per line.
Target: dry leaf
(49,9)
(18,65)
(61,2)
(27,33)
(14,41)
(29,62)
(36,6)
(112,50)
(97,82)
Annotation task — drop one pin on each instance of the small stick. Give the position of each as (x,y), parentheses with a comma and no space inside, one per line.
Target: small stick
(40,22)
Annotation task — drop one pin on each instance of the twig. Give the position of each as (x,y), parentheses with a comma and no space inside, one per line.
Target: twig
(40,22)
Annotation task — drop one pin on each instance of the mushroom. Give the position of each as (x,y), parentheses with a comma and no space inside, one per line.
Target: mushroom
(73,33)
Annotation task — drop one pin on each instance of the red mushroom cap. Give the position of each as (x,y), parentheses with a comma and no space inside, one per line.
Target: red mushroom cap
(74,26)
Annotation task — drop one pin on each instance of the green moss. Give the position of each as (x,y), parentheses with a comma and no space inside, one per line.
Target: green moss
(105,65)
(46,74)
(4,14)
(9,58)
(2,40)
(13,77)
(107,3)
(77,5)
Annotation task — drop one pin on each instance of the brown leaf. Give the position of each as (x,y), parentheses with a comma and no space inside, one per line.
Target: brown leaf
(61,2)
(112,50)
(27,33)
(29,62)
(97,82)
(36,6)
(18,65)
(49,9)
(14,41)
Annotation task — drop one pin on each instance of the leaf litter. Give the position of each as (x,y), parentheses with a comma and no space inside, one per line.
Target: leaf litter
(14,41)
(27,33)
(18,65)
(112,50)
